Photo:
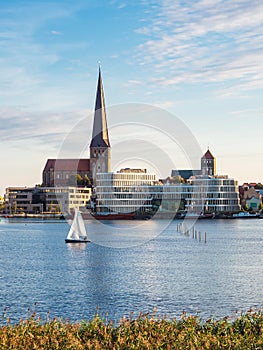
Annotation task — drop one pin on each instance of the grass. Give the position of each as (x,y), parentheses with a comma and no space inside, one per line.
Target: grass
(142,332)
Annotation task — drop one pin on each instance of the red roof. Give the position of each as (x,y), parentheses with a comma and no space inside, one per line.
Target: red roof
(67,165)
(208,155)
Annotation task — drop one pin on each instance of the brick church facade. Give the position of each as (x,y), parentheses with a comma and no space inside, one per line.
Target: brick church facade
(61,172)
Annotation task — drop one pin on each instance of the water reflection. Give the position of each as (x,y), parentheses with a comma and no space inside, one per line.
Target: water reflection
(77,246)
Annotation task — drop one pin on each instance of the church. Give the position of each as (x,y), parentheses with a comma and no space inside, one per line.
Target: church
(67,183)
(63,172)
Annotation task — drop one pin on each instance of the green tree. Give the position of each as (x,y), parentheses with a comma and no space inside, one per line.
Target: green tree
(79,180)
(2,204)
(86,181)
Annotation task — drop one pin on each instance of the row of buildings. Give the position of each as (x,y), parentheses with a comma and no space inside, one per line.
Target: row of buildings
(89,184)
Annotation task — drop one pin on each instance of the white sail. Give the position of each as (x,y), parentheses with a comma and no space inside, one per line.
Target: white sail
(77,230)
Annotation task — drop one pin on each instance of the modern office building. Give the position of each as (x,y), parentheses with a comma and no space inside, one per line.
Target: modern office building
(133,192)
(125,191)
(46,199)
(212,194)
(20,200)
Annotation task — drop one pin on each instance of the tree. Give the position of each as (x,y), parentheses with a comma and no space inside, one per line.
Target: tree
(86,181)
(78,180)
(2,204)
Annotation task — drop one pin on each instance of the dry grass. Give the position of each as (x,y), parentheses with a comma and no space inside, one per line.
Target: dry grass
(143,332)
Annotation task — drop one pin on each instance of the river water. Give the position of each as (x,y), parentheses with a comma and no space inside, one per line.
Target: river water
(131,266)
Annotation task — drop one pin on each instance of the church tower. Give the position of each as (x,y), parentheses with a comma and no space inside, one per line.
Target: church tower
(208,164)
(100,144)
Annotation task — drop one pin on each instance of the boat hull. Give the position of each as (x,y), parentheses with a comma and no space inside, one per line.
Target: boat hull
(77,241)
(128,216)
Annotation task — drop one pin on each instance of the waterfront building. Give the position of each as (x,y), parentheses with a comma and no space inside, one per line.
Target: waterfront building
(212,194)
(20,200)
(59,172)
(125,191)
(63,199)
(46,199)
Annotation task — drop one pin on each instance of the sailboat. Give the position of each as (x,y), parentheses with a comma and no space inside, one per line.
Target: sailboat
(77,232)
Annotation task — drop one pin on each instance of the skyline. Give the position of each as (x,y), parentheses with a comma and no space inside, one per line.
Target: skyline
(201,62)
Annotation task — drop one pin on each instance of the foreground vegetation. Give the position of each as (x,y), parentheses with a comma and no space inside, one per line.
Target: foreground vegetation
(143,332)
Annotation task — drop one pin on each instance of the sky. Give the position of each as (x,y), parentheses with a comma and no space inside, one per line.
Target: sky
(201,61)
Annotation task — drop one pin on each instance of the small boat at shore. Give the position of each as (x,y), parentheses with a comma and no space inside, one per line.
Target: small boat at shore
(245,215)
(77,232)
(113,216)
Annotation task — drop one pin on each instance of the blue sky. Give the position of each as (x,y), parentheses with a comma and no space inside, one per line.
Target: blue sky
(200,60)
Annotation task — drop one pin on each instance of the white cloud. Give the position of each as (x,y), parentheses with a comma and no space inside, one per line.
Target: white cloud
(134,82)
(55,32)
(205,41)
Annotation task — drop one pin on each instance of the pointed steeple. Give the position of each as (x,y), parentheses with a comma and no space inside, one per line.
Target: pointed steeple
(100,152)
(208,155)
(100,137)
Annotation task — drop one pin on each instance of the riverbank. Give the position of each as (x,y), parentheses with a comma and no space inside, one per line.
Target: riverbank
(144,332)
(156,216)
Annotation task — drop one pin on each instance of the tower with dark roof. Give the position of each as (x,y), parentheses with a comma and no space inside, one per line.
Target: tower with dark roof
(208,164)
(100,144)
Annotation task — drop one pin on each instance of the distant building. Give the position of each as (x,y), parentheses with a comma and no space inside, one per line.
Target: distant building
(20,200)
(126,191)
(208,167)
(251,198)
(208,164)
(59,172)
(213,194)
(46,199)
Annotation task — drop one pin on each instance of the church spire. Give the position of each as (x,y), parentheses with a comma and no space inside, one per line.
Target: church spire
(100,137)
(100,144)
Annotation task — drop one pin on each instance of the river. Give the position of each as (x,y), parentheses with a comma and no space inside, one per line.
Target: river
(131,266)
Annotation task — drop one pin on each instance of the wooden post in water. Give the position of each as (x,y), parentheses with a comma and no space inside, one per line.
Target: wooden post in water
(205,237)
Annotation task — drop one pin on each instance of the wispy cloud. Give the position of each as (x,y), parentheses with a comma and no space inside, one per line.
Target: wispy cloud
(205,41)
(55,32)
(49,128)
